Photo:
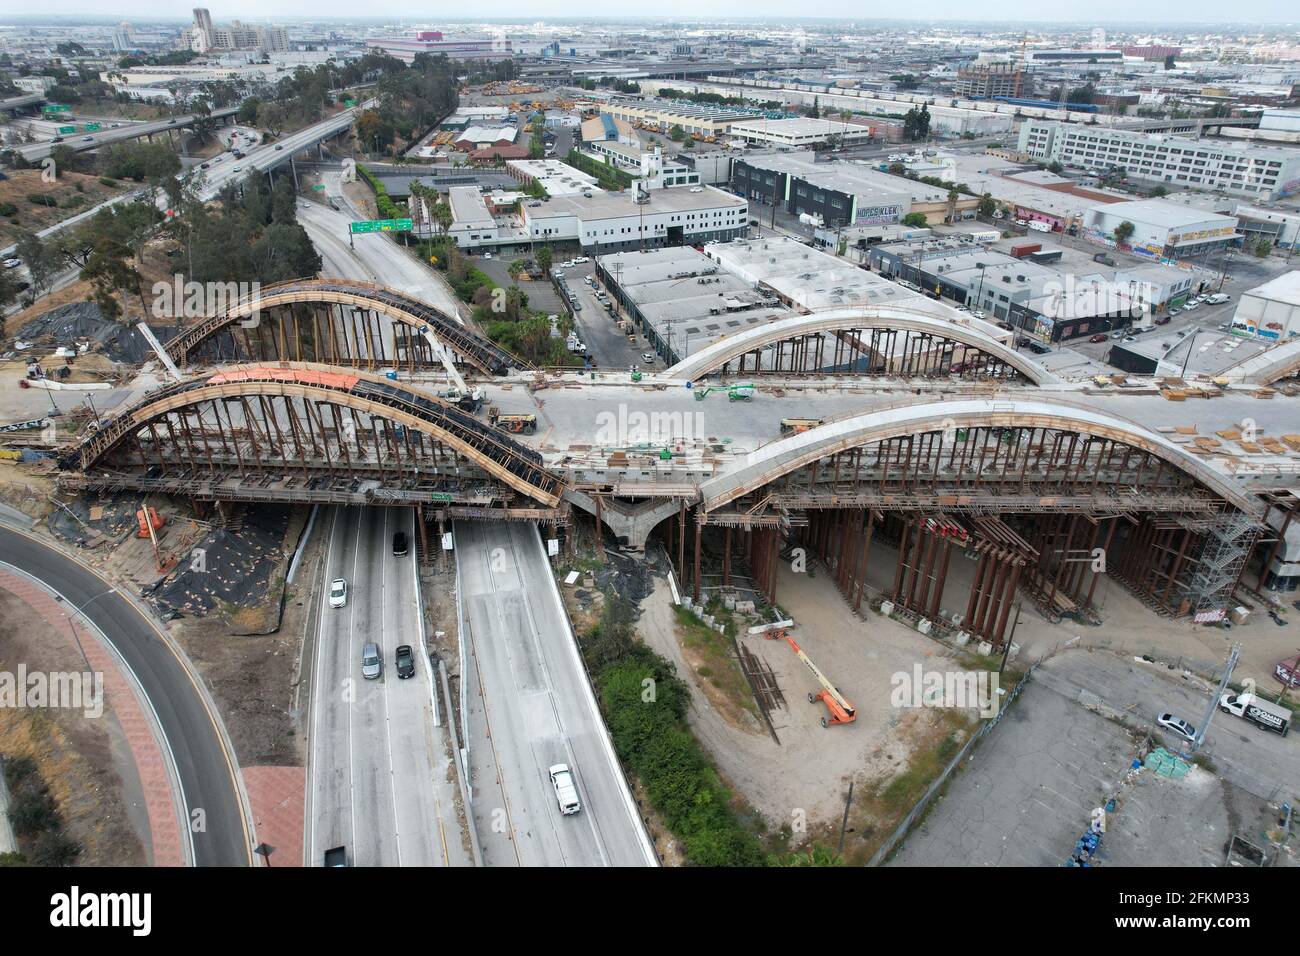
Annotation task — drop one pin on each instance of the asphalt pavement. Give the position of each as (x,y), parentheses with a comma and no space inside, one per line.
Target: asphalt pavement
(530,707)
(206,769)
(380,775)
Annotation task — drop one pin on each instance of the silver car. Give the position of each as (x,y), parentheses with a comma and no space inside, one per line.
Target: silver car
(372,663)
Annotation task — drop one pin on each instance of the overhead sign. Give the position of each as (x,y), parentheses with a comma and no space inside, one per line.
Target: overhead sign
(349,102)
(63,130)
(381,225)
(56,108)
(92,127)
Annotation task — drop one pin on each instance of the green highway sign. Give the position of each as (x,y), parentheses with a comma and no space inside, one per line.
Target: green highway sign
(349,102)
(55,108)
(318,187)
(64,130)
(382,225)
(92,127)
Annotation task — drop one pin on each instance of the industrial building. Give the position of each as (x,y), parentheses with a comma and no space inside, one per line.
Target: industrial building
(984,81)
(1240,169)
(700,121)
(798,132)
(434,43)
(557,178)
(840,193)
(1163,229)
(682,300)
(1270,311)
(614,222)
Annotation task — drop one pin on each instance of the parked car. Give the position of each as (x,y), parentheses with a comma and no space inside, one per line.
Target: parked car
(1174,311)
(1117,335)
(338,593)
(1038,348)
(1178,726)
(1099,337)
(13,262)
(405,661)
(372,662)
(648,358)
(1163,320)
(1194,304)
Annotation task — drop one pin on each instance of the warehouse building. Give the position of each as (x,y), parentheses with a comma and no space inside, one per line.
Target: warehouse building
(798,132)
(614,222)
(700,121)
(1163,229)
(682,300)
(840,193)
(1270,311)
(1240,169)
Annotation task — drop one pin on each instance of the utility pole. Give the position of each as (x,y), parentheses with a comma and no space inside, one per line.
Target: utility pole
(1228,668)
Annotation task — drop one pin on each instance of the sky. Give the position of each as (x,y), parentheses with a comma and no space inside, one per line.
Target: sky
(1100,12)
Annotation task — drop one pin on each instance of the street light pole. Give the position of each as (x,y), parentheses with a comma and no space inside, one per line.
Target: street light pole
(1188,357)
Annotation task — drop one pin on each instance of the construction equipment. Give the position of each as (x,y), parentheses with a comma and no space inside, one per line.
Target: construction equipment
(796,426)
(516,424)
(148,526)
(840,711)
(735,393)
(458,391)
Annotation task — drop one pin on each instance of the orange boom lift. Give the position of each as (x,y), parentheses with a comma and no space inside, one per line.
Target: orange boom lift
(840,711)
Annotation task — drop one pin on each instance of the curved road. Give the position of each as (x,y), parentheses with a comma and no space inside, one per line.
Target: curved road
(206,772)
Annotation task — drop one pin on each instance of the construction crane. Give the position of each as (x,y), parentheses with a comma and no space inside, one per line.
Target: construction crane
(839,709)
(458,392)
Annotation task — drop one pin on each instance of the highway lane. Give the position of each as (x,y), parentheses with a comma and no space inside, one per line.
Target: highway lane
(371,256)
(380,770)
(83,141)
(205,767)
(531,690)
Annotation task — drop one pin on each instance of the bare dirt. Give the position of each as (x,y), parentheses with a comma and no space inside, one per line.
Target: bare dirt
(74,193)
(86,762)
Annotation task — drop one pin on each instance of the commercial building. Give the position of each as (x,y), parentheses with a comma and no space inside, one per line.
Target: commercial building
(840,193)
(615,222)
(608,129)
(433,43)
(701,121)
(1241,169)
(682,300)
(1279,226)
(798,132)
(1270,311)
(472,223)
(1162,229)
(557,178)
(207,38)
(805,279)
(482,137)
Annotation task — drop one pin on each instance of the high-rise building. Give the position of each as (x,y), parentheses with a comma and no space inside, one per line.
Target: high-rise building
(122,37)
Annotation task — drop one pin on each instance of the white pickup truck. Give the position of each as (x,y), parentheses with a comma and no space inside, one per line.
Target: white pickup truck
(566,791)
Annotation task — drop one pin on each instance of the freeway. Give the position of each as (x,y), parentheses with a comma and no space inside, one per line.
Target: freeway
(531,707)
(205,767)
(380,777)
(105,137)
(372,256)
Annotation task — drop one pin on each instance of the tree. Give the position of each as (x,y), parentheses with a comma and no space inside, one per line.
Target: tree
(916,123)
(1124,231)
(110,271)
(987,206)
(545,259)
(816,110)
(1159,191)
(1169,62)
(676,133)
(915,220)
(41,259)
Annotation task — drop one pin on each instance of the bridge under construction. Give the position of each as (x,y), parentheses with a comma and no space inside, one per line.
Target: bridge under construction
(1032,488)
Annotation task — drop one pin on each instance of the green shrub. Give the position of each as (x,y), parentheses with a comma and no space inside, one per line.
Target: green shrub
(8,209)
(41,199)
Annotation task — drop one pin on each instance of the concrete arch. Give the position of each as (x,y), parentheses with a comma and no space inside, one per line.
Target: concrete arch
(782,457)
(513,464)
(483,354)
(731,347)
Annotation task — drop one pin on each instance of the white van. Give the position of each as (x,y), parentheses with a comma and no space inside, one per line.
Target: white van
(566,791)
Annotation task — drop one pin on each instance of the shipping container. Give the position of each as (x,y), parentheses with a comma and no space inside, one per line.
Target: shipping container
(1022,249)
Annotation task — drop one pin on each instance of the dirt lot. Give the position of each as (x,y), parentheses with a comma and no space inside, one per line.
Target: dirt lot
(86,762)
(74,193)
(799,785)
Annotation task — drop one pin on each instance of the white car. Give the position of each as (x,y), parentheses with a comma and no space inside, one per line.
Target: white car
(487,255)
(1194,304)
(566,791)
(1178,726)
(338,593)
(13,263)
(581,259)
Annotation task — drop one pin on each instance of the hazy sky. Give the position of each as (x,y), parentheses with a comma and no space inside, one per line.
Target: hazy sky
(1079,11)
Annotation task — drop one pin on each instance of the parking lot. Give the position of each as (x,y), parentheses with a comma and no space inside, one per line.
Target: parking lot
(606,343)
(1067,744)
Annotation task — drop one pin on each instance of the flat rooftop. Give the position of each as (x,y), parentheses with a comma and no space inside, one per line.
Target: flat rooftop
(605,205)
(850,178)
(557,178)
(468,207)
(1158,212)
(800,126)
(1285,288)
